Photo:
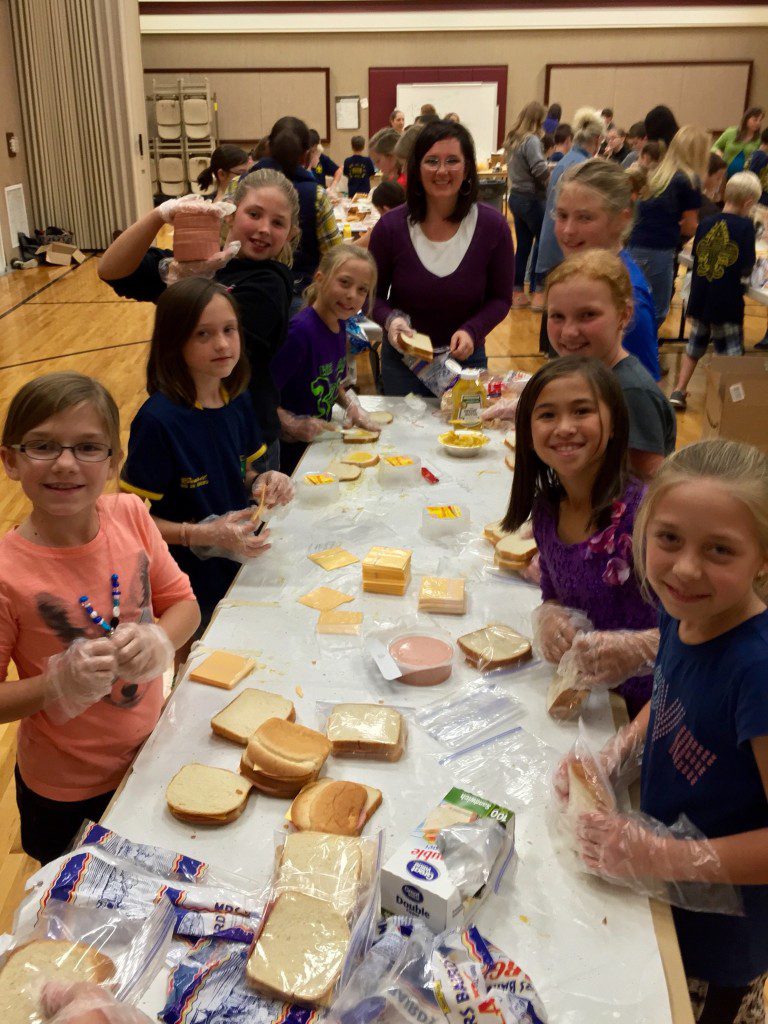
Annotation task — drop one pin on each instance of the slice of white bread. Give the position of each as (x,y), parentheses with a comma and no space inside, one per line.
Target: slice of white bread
(494,646)
(273,787)
(240,719)
(320,865)
(444,815)
(381,417)
(329,805)
(516,549)
(564,700)
(586,790)
(366,730)
(358,435)
(28,967)
(419,345)
(494,532)
(300,952)
(201,794)
(223,669)
(345,472)
(285,750)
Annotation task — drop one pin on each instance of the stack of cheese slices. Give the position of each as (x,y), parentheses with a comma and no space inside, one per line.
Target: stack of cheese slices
(440,595)
(387,571)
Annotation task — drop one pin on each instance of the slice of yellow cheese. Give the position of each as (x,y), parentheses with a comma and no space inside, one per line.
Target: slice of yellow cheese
(325,599)
(339,623)
(334,558)
(360,459)
(223,669)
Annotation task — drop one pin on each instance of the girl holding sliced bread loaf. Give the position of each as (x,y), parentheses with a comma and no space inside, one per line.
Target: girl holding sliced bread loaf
(701,545)
(92,608)
(310,367)
(572,477)
(195,441)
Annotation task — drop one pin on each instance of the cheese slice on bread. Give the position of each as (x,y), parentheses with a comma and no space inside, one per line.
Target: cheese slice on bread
(240,719)
(300,951)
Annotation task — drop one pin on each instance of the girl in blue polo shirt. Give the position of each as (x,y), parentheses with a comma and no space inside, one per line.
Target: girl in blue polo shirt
(701,538)
(194,442)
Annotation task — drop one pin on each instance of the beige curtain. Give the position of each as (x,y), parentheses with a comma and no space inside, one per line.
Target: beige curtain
(72,78)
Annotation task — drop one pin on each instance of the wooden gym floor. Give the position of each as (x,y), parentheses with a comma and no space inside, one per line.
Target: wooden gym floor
(55,318)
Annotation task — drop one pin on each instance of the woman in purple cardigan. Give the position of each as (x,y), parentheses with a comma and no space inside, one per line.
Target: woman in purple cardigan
(445,261)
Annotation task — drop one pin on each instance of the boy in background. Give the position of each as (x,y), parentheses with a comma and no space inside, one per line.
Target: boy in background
(563,136)
(386,196)
(358,169)
(723,258)
(320,164)
(635,140)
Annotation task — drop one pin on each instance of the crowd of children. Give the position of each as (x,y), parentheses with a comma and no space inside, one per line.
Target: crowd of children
(652,564)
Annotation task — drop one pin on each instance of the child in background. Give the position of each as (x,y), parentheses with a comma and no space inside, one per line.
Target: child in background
(572,476)
(635,142)
(701,544)
(228,162)
(589,303)
(563,138)
(712,187)
(381,146)
(651,155)
(311,365)
(321,165)
(386,196)
(723,258)
(547,145)
(195,440)
(90,667)
(358,169)
(758,164)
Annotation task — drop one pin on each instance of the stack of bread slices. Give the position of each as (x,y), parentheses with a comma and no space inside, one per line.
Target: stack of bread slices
(282,757)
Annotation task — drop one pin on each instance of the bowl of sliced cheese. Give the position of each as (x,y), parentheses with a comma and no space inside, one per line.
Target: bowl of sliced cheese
(463,444)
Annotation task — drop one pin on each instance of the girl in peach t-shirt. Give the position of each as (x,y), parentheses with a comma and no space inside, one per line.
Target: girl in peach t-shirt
(82,581)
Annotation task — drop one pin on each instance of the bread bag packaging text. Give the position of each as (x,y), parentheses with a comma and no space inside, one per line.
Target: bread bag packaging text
(415,879)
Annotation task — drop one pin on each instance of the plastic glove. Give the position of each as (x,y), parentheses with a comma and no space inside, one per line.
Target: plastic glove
(356,416)
(554,629)
(301,428)
(620,758)
(279,488)
(532,571)
(504,409)
(606,658)
(79,677)
(172,271)
(193,203)
(229,536)
(396,326)
(63,1002)
(144,651)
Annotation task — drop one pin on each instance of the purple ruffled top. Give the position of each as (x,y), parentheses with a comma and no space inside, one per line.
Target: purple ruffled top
(597,576)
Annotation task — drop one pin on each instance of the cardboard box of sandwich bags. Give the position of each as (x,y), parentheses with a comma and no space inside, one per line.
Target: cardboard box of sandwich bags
(415,879)
(736,400)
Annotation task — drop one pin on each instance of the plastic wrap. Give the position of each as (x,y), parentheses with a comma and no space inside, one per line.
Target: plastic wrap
(554,629)
(82,1003)
(310,942)
(607,658)
(496,647)
(95,944)
(475,853)
(514,765)
(369,731)
(412,974)
(469,712)
(78,677)
(233,536)
(565,696)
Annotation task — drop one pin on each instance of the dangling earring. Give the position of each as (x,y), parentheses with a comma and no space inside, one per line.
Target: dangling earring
(462,192)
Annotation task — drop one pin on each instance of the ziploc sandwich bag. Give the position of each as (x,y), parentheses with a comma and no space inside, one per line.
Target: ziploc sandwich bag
(417,880)
(411,976)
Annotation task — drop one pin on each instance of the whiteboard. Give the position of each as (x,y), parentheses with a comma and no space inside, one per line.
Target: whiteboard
(476,103)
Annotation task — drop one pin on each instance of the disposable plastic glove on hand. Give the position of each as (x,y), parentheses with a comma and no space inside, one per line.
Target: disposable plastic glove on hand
(620,758)
(172,271)
(504,409)
(606,658)
(279,488)
(79,677)
(63,1002)
(398,325)
(356,416)
(301,428)
(229,536)
(193,204)
(554,629)
(144,651)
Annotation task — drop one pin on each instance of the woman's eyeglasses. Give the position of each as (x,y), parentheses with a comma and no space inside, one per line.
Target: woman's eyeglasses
(49,451)
(451,163)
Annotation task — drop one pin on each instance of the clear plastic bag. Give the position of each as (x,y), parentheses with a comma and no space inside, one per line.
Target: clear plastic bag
(476,854)
(514,765)
(457,976)
(472,710)
(96,944)
(374,732)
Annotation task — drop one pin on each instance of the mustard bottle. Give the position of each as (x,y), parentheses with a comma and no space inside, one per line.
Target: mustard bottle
(468,399)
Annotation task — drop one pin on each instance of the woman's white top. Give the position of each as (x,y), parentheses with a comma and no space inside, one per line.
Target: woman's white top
(442,258)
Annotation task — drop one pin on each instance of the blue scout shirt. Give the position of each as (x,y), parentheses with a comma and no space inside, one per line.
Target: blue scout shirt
(723,256)
(358,171)
(190,463)
(709,700)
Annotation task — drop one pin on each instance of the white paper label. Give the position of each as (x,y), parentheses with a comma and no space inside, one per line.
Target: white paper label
(737,392)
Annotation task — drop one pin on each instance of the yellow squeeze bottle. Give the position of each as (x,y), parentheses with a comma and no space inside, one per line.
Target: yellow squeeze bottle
(468,399)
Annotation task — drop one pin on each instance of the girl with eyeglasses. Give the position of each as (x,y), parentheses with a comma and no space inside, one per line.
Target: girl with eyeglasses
(445,262)
(92,608)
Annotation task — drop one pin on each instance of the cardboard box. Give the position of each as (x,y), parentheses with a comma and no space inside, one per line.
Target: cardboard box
(736,400)
(61,255)
(415,880)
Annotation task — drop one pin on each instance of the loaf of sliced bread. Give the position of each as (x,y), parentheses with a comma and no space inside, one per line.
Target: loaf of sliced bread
(201,794)
(494,646)
(325,866)
(366,730)
(28,967)
(240,719)
(329,805)
(300,952)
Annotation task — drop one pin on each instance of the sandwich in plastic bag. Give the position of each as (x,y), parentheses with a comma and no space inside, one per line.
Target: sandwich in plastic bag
(411,974)
(95,944)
